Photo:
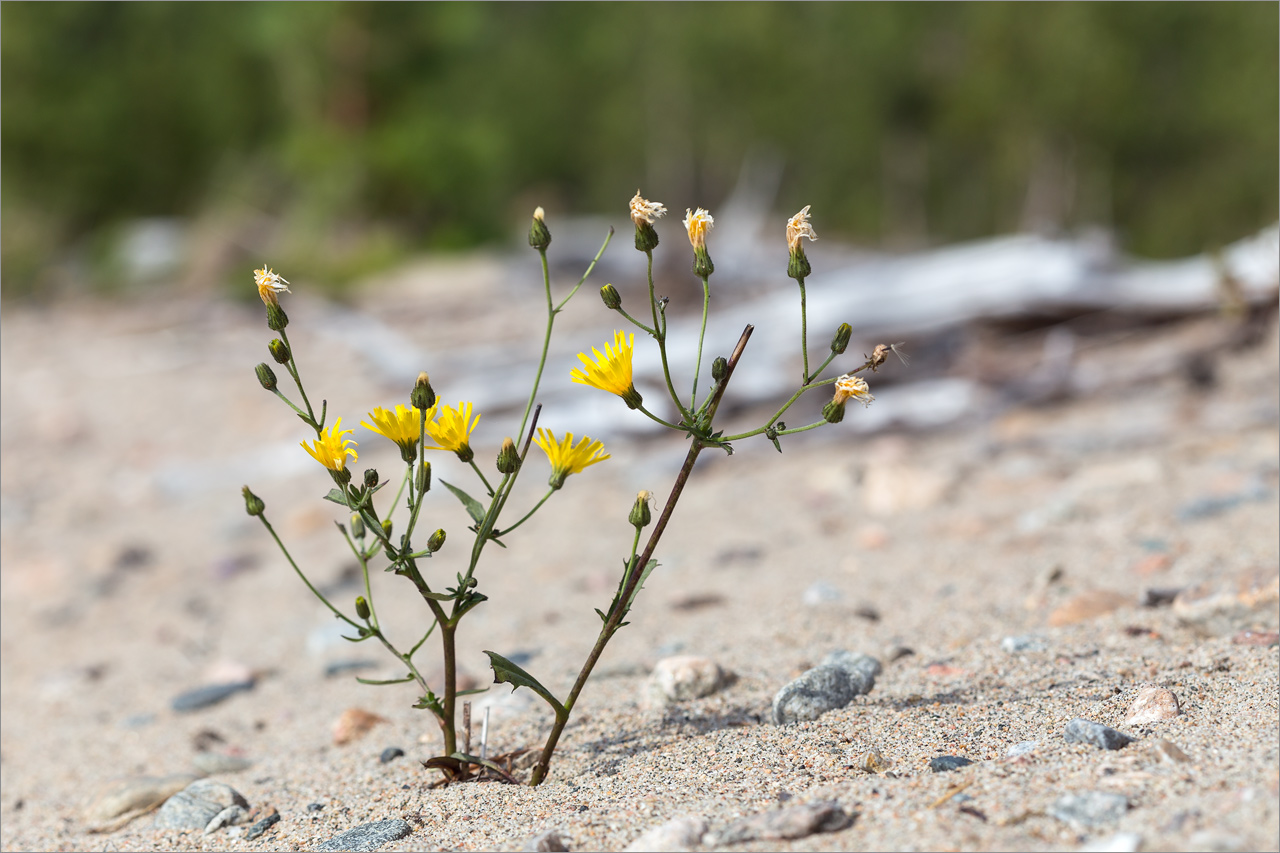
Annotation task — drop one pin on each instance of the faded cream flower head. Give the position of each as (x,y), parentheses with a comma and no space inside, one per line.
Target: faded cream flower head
(643,210)
(798,226)
(698,223)
(567,458)
(269,284)
(331,449)
(852,386)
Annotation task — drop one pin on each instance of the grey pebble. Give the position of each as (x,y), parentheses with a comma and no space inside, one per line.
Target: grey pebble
(944,763)
(134,795)
(838,680)
(391,753)
(1023,643)
(263,825)
(682,833)
(229,816)
(546,842)
(1090,808)
(211,694)
(788,823)
(368,836)
(340,667)
(1121,842)
(821,592)
(215,762)
(197,804)
(1022,748)
(1081,730)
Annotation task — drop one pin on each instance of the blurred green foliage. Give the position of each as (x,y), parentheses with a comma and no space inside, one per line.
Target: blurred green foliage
(451,121)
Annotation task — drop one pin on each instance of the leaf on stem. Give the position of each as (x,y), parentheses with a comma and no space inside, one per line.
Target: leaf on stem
(473,506)
(506,672)
(644,576)
(375,681)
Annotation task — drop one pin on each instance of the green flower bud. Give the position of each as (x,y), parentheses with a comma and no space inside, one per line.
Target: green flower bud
(423,395)
(276,318)
(646,237)
(279,351)
(833,412)
(719,369)
(342,476)
(702,265)
(640,515)
(798,265)
(508,457)
(357,526)
(539,234)
(612,299)
(386,527)
(436,542)
(266,376)
(362,607)
(840,341)
(370,477)
(465,453)
(252,503)
(423,478)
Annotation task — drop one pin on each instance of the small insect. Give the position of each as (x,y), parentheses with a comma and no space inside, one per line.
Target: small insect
(881,352)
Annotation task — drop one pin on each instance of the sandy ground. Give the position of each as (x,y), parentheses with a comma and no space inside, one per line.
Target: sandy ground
(131,574)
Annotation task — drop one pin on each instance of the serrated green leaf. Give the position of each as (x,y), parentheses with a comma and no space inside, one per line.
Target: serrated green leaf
(506,672)
(473,506)
(644,576)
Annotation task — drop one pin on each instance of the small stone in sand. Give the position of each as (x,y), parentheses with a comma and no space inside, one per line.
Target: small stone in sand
(354,723)
(229,816)
(197,804)
(1151,705)
(683,677)
(1090,808)
(210,763)
(788,823)
(546,842)
(682,833)
(123,800)
(1081,730)
(369,836)
(1224,605)
(943,763)
(873,761)
(1022,748)
(836,682)
(1088,605)
(1253,637)
(821,592)
(263,825)
(1163,750)
(203,697)
(1121,842)
(1023,643)
(391,753)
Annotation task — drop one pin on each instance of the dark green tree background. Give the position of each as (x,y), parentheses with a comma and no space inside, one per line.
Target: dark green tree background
(898,122)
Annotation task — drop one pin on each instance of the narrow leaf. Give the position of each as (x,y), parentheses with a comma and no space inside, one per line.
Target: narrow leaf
(375,681)
(506,672)
(644,576)
(474,509)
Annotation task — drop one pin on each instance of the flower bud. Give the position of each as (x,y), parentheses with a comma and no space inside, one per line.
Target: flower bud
(423,395)
(279,351)
(386,527)
(266,376)
(702,265)
(423,478)
(362,607)
(370,477)
(276,318)
(643,213)
(465,453)
(840,341)
(357,526)
(612,299)
(719,369)
(252,503)
(436,542)
(640,516)
(539,235)
(799,227)
(798,265)
(833,412)
(342,476)
(508,457)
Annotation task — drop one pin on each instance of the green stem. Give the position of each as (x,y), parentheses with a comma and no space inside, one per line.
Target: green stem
(292,366)
(801,429)
(652,332)
(651,416)
(804,334)
(488,488)
(661,336)
(702,333)
(316,592)
(527,515)
(782,411)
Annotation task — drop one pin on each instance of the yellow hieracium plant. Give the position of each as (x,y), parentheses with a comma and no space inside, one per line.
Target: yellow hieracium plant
(385,534)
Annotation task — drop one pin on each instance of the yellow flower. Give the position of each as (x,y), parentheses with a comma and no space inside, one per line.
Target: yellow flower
(453,431)
(698,223)
(331,449)
(643,210)
(403,426)
(565,457)
(852,386)
(798,226)
(269,284)
(612,371)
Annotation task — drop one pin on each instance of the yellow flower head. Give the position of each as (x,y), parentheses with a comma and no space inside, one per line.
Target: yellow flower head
(698,223)
(565,457)
(852,386)
(453,430)
(643,210)
(403,426)
(612,371)
(269,284)
(798,226)
(331,449)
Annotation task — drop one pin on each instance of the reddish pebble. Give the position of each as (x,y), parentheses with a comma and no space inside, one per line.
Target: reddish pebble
(1255,637)
(1151,705)
(1153,564)
(1088,605)
(353,724)
(941,670)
